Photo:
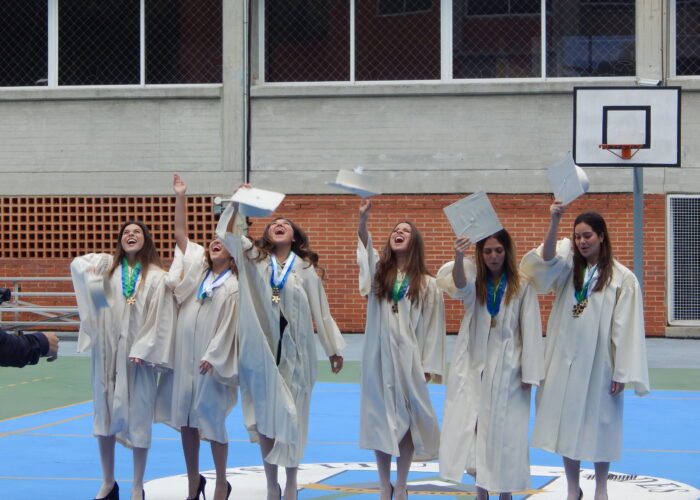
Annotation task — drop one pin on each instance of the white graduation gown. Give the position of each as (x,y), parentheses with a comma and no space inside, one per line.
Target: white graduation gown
(276,396)
(125,393)
(206,331)
(484,391)
(399,349)
(576,415)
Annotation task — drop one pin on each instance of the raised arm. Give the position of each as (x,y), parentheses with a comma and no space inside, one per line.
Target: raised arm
(462,244)
(365,207)
(549,248)
(180,189)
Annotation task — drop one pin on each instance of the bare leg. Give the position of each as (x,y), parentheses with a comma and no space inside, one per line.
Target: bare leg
(140,456)
(290,487)
(273,489)
(572,468)
(601,480)
(219,452)
(481,493)
(384,470)
(403,465)
(190,447)
(106,446)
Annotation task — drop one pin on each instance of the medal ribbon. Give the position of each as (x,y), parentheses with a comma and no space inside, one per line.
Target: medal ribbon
(129,277)
(400,289)
(206,289)
(588,275)
(493,301)
(277,279)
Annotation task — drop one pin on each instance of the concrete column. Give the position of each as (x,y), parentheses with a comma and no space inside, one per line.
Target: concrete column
(649,39)
(233,94)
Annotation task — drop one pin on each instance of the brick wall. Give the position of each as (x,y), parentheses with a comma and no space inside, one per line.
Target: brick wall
(42,242)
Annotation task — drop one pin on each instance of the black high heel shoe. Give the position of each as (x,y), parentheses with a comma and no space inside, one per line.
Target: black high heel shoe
(228,489)
(200,488)
(113,493)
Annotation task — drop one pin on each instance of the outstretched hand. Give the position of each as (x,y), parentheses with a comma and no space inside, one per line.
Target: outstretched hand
(365,207)
(556,210)
(179,186)
(462,244)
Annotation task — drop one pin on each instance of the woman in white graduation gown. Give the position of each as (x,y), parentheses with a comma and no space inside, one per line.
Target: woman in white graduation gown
(281,299)
(198,394)
(403,350)
(497,358)
(129,340)
(595,345)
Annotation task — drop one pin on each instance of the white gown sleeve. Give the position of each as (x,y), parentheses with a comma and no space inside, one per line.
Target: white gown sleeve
(222,351)
(532,362)
(447,284)
(630,357)
(155,339)
(328,332)
(433,349)
(367,260)
(548,276)
(79,270)
(186,270)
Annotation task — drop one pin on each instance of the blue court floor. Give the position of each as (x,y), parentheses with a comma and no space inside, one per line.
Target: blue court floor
(52,455)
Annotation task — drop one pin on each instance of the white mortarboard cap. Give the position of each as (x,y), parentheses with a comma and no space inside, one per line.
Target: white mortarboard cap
(254,202)
(355,181)
(473,217)
(99,290)
(568,180)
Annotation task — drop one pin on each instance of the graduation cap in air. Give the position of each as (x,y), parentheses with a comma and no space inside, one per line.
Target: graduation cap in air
(355,181)
(568,180)
(473,217)
(254,202)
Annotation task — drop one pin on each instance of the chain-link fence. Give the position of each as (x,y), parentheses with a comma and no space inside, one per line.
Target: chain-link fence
(688,37)
(308,40)
(103,42)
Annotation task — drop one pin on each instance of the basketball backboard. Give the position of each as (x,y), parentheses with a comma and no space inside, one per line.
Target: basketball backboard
(627,126)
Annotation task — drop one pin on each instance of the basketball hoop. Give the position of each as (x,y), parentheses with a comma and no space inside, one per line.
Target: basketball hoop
(625,153)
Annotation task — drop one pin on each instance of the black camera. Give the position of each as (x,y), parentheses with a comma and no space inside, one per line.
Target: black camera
(5,295)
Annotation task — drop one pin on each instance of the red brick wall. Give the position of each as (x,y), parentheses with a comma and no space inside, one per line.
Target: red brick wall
(331,223)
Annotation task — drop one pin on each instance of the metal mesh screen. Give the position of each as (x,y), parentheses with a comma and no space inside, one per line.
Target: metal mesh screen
(397,39)
(100,42)
(183,41)
(307,40)
(23,43)
(590,38)
(688,37)
(684,219)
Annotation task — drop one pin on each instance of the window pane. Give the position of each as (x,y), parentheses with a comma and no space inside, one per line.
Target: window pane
(688,37)
(588,38)
(488,43)
(183,41)
(23,43)
(98,42)
(307,40)
(404,46)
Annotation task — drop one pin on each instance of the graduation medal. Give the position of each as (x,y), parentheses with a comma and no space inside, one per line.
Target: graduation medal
(495,296)
(581,296)
(129,279)
(398,292)
(277,278)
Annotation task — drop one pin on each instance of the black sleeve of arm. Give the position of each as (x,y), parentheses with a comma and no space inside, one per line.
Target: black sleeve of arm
(21,350)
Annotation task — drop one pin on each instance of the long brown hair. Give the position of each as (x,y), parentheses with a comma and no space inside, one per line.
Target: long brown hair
(147,256)
(605,256)
(300,246)
(387,268)
(510,267)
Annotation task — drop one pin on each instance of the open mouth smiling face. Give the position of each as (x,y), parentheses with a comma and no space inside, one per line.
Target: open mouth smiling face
(281,231)
(400,237)
(217,251)
(132,238)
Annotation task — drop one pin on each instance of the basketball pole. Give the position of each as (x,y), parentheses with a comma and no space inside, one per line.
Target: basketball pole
(638,181)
